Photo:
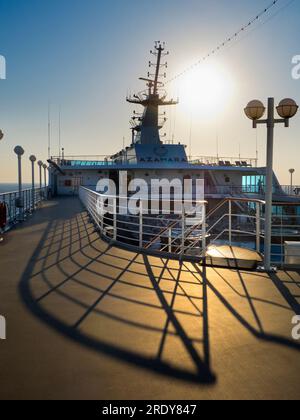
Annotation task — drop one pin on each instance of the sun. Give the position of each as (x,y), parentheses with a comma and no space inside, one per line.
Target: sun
(205,91)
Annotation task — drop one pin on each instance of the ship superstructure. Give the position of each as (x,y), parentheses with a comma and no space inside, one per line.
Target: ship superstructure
(148,156)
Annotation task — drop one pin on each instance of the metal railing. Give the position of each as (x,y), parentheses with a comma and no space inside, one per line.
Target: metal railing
(240,222)
(254,191)
(17,207)
(224,161)
(235,222)
(167,233)
(291,190)
(127,159)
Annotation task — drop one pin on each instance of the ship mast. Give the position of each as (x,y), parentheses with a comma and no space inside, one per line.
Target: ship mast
(146,126)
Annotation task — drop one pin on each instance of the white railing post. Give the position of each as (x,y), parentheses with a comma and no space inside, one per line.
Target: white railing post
(102,216)
(141,224)
(204,229)
(115,219)
(258,227)
(170,240)
(230,222)
(183,229)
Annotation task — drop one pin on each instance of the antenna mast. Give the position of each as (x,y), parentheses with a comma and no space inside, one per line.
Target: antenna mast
(147,125)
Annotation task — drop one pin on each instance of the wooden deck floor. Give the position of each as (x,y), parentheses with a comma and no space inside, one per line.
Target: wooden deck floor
(86,320)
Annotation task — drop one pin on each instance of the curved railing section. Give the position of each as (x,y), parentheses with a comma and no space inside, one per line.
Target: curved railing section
(234,222)
(170,233)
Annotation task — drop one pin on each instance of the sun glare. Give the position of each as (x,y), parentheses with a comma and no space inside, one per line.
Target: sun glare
(205,91)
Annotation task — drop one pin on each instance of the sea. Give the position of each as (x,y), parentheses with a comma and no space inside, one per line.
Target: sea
(4,188)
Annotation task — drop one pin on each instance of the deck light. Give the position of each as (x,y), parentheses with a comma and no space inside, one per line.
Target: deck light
(255,110)
(287,108)
(40,164)
(45,175)
(292,171)
(19,151)
(32,159)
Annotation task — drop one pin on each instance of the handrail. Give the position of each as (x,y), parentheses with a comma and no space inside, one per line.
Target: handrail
(176,237)
(17,192)
(142,232)
(18,206)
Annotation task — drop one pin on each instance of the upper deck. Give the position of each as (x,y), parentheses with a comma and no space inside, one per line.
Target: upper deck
(105,162)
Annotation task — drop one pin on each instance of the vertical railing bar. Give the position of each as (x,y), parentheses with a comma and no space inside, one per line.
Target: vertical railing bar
(141,224)
(115,218)
(258,227)
(230,222)
(183,230)
(204,229)
(170,239)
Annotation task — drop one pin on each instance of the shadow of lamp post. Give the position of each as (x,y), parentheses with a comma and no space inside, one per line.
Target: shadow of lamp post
(255,110)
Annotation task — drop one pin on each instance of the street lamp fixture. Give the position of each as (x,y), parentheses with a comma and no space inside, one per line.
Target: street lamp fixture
(32,159)
(45,175)
(255,110)
(40,164)
(287,108)
(292,171)
(19,151)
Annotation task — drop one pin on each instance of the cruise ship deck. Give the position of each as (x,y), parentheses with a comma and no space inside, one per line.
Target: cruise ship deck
(87,320)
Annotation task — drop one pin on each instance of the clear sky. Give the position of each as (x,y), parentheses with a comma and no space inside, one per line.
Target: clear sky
(86,54)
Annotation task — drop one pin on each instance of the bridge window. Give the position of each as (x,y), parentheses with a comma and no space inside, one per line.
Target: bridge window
(254,184)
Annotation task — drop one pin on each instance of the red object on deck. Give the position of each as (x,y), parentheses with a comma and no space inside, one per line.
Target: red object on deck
(3,215)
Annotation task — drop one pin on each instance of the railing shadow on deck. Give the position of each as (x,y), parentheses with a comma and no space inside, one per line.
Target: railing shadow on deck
(258,330)
(53,252)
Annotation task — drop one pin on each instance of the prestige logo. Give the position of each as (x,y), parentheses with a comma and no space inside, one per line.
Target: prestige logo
(2,328)
(296,67)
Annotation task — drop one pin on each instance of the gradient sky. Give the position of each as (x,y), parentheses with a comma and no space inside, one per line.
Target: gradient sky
(85,55)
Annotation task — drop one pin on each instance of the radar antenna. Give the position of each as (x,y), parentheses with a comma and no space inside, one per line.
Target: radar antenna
(149,124)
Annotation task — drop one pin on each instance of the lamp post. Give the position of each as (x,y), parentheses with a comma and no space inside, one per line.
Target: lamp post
(45,178)
(255,110)
(40,165)
(292,171)
(32,160)
(19,151)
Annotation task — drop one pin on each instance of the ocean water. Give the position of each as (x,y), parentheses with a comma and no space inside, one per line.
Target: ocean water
(4,188)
